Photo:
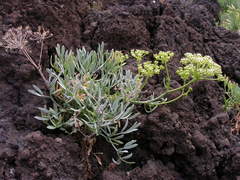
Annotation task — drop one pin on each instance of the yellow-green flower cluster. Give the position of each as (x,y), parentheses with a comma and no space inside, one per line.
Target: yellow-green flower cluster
(199,67)
(164,57)
(120,57)
(149,69)
(139,54)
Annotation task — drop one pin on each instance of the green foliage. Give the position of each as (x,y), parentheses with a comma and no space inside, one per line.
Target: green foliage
(195,67)
(164,58)
(90,92)
(224,4)
(93,95)
(230,16)
(232,99)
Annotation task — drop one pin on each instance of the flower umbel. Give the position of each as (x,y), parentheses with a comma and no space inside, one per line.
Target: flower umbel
(139,54)
(120,57)
(17,38)
(199,67)
(149,69)
(163,57)
(41,34)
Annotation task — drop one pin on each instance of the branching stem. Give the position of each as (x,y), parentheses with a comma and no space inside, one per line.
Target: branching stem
(164,94)
(37,67)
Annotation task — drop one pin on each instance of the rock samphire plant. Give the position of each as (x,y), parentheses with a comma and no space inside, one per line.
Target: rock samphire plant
(230,14)
(232,101)
(92,94)
(89,92)
(195,68)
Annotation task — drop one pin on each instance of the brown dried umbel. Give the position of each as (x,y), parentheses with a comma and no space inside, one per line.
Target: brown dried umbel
(19,38)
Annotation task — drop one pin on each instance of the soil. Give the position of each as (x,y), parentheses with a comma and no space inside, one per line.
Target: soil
(190,139)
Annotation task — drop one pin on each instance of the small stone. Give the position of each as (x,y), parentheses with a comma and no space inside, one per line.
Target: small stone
(42,165)
(168,151)
(93,24)
(58,140)
(37,135)
(49,172)
(24,154)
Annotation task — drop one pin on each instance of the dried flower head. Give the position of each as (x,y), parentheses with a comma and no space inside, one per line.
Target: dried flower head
(41,34)
(17,38)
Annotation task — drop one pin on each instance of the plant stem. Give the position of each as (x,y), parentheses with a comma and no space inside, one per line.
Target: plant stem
(167,92)
(144,82)
(38,67)
(41,52)
(172,100)
(29,58)
(168,76)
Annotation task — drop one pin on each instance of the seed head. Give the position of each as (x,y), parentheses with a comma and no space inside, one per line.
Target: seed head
(17,38)
(41,34)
